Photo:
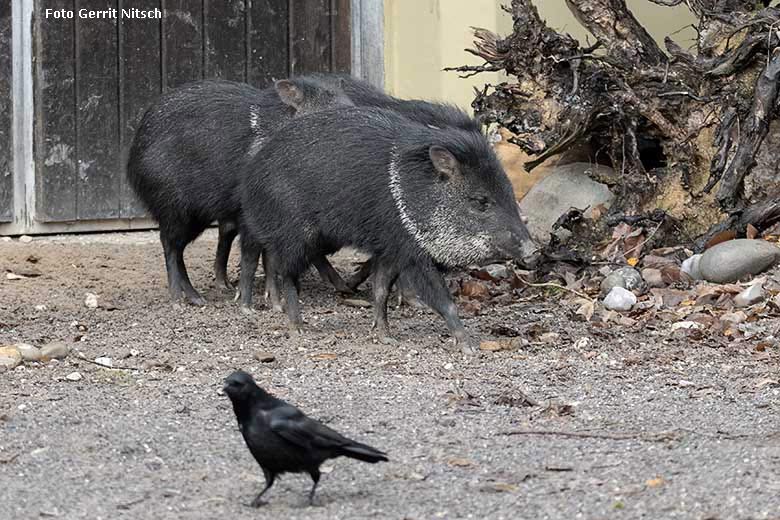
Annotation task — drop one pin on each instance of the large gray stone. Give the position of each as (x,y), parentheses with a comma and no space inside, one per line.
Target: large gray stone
(569,186)
(737,259)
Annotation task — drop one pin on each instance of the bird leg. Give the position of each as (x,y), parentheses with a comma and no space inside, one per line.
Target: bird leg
(315,476)
(269,481)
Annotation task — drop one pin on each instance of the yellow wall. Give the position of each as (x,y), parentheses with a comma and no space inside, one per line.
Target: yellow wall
(424,36)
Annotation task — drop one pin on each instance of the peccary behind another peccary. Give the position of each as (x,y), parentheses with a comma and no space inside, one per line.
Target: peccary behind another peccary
(410,195)
(434,114)
(186,153)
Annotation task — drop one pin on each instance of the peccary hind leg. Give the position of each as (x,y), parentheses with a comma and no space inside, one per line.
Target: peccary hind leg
(361,275)
(178,281)
(228,229)
(329,274)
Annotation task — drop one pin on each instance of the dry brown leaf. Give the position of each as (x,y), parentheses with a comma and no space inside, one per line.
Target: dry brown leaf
(460,463)
(751,232)
(655,482)
(657,262)
(723,236)
(324,356)
(586,308)
(475,290)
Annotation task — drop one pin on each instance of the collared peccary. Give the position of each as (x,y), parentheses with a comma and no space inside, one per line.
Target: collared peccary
(438,115)
(412,196)
(186,153)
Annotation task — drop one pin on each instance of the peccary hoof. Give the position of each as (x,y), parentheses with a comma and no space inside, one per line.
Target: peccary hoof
(387,339)
(225,283)
(196,300)
(296,329)
(468,346)
(246,310)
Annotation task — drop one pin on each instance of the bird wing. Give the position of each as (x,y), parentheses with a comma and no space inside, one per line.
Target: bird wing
(292,425)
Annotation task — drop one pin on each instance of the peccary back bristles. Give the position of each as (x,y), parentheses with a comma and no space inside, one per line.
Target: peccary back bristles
(364,94)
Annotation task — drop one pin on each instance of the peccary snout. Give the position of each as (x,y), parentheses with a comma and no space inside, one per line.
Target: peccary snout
(516,244)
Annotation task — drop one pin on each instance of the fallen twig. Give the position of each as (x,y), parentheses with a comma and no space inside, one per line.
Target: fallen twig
(101,365)
(646,437)
(8,460)
(556,286)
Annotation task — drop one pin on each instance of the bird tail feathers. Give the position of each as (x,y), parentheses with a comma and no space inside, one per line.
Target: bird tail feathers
(363,452)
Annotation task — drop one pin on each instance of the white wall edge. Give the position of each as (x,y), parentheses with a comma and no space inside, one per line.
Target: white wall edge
(23,113)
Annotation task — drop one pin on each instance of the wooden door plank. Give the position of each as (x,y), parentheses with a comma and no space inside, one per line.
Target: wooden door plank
(267,42)
(55,146)
(224,27)
(139,85)
(341,36)
(310,42)
(97,113)
(182,41)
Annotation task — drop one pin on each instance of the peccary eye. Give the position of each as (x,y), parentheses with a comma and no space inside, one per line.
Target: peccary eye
(481,203)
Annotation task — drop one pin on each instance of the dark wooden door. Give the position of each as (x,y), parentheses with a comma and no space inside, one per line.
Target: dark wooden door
(6,110)
(94,79)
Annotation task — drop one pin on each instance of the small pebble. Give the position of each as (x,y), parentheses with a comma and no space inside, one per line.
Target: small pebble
(751,295)
(25,239)
(10,358)
(73,376)
(91,301)
(619,299)
(54,350)
(625,277)
(105,361)
(265,357)
(28,352)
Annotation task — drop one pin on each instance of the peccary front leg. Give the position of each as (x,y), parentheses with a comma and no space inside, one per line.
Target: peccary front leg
(431,288)
(329,274)
(250,256)
(228,230)
(383,277)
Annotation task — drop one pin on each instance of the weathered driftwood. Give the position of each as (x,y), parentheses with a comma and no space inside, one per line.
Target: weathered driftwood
(676,124)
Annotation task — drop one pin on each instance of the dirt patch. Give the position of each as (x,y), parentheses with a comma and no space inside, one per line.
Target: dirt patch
(629,422)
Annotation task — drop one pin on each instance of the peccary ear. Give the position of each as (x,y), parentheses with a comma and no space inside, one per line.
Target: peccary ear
(290,93)
(443,160)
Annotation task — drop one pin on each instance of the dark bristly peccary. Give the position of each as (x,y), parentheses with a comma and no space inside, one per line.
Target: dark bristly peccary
(412,196)
(187,151)
(438,115)
(282,439)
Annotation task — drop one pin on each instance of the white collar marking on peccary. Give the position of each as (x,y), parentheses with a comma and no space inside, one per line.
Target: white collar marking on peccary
(443,242)
(398,198)
(254,123)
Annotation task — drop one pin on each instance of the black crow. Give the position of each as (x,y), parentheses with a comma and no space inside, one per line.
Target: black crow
(282,439)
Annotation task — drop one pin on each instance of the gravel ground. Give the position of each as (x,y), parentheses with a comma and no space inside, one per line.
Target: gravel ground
(630,422)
